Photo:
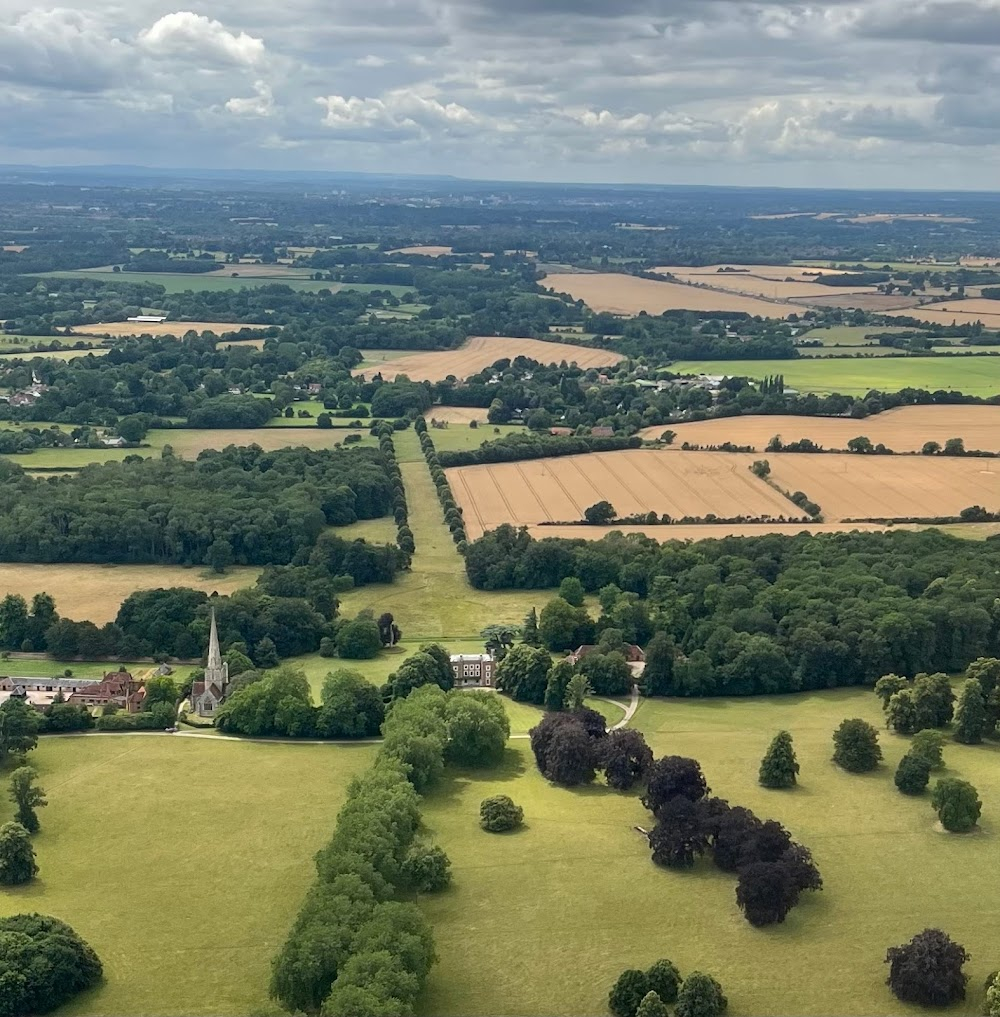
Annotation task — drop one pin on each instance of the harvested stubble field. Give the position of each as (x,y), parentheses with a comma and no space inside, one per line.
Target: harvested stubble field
(958,312)
(776,282)
(174,328)
(95,592)
(636,480)
(885,487)
(457,414)
(482,351)
(903,430)
(628,295)
(97,351)
(428,251)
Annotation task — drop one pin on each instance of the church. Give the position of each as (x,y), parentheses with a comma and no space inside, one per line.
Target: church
(208,695)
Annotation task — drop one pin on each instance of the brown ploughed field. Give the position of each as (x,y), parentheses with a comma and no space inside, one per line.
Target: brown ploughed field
(482,351)
(903,430)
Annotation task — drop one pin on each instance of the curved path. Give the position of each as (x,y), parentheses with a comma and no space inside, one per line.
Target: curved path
(633,705)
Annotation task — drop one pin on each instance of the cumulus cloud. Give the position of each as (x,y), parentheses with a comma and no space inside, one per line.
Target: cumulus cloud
(198,39)
(260,104)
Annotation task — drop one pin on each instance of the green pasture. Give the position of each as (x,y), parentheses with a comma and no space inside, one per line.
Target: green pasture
(578,885)
(857,376)
(182,861)
(178,282)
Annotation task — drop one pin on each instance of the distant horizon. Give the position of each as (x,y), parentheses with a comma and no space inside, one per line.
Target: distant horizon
(251,173)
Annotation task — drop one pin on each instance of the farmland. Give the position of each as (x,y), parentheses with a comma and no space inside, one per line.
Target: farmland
(480,352)
(776,282)
(903,430)
(458,414)
(957,312)
(173,328)
(858,376)
(628,295)
(861,487)
(95,592)
(690,484)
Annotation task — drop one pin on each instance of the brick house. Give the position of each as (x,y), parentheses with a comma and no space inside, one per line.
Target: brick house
(118,688)
(473,670)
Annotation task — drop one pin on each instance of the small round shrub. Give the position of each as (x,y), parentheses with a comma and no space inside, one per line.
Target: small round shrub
(499,814)
(913,774)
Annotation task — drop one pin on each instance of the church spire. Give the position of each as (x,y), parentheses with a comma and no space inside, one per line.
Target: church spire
(214,664)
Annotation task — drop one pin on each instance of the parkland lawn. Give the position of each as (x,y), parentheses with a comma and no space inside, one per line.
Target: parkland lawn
(857,376)
(197,853)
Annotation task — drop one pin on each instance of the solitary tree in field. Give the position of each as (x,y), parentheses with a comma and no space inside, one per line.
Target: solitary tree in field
(957,804)
(17,856)
(927,970)
(26,796)
(855,746)
(779,767)
(970,714)
(499,814)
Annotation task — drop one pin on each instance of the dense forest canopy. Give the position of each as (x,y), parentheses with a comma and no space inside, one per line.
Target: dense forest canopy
(239,505)
(777,613)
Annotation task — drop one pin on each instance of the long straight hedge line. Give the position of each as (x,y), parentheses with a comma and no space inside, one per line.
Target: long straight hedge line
(452,512)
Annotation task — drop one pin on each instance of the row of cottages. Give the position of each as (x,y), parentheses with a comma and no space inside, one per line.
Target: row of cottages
(478,670)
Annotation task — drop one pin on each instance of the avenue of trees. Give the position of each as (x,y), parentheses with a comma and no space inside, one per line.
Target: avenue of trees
(768,614)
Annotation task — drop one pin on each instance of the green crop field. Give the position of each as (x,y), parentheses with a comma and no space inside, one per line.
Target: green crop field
(180,281)
(578,885)
(857,376)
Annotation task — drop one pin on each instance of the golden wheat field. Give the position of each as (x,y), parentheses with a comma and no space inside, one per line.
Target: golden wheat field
(175,328)
(457,414)
(480,352)
(885,487)
(958,312)
(628,295)
(95,592)
(635,480)
(903,430)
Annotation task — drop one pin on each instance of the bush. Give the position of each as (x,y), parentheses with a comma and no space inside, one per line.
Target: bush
(927,970)
(43,964)
(499,814)
(957,804)
(930,745)
(664,979)
(856,747)
(628,992)
(912,774)
(652,1006)
(17,856)
(779,767)
(700,996)
(427,869)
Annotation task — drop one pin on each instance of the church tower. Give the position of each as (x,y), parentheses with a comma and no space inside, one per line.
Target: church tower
(216,670)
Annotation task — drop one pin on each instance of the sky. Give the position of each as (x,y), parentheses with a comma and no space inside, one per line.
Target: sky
(856,93)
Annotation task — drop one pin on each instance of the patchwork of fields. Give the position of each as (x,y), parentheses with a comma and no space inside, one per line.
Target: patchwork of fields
(636,480)
(905,429)
(776,282)
(958,312)
(482,351)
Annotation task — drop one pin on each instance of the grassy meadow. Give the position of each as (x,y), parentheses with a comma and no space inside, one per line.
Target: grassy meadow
(858,376)
(578,885)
